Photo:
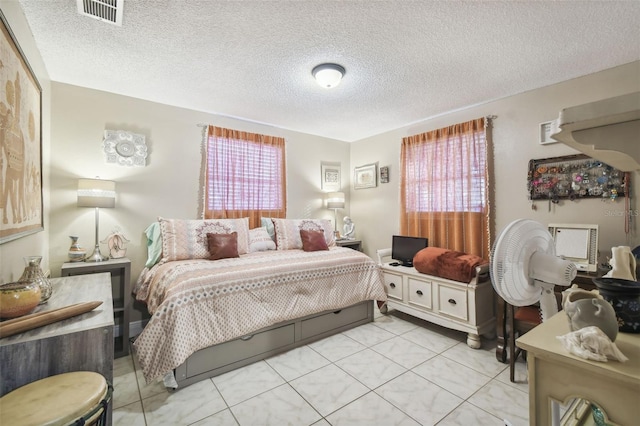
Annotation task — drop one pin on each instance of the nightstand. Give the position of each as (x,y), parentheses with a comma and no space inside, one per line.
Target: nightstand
(352,244)
(120,270)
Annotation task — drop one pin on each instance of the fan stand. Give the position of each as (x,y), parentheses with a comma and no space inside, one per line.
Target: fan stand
(548,302)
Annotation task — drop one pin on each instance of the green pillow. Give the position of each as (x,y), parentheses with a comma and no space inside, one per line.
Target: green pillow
(154,244)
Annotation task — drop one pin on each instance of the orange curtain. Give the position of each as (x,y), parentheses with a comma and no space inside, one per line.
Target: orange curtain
(245,176)
(444,187)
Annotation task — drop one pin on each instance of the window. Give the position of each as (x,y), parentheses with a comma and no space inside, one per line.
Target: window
(245,175)
(447,176)
(444,187)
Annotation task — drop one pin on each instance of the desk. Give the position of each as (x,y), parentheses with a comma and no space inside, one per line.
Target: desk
(83,342)
(556,374)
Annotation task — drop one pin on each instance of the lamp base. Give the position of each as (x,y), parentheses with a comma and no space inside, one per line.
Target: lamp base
(96,256)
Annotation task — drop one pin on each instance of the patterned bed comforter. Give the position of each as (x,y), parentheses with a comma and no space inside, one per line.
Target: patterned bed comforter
(199,303)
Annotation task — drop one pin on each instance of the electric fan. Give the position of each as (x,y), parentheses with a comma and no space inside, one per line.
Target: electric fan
(525,268)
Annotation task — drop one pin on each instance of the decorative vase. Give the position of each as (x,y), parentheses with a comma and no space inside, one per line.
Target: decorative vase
(33,274)
(17,299)
(76,252)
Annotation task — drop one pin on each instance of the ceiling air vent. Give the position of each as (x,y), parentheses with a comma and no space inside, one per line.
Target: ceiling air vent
(104,10)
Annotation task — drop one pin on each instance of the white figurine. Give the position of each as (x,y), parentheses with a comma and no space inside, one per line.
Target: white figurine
(348,228)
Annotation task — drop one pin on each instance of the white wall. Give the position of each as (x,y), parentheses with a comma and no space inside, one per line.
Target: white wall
(515,142)
(169,185)
(12,252)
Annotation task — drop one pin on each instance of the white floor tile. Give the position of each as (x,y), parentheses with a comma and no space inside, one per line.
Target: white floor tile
(403,352)
(297,362)
(467,414)
(369,410)
(504,402)
(393,324)
(129,415)
(482,360)
(223,418)
(125,388)
(279,406)
(432,340)
(456,378)
(370,368)
(328,389)
(424,401)
(246,382)
(520,376)
(336,347)
(368,334)
(184,406)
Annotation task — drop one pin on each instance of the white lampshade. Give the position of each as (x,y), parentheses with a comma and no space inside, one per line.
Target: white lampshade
(335,200)
(328,75)
(96,193)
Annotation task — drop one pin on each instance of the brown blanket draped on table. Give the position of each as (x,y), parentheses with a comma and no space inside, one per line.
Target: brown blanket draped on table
(444,263)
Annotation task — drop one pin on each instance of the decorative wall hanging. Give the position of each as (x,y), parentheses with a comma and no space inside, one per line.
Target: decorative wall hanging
(330,176)
(384,174)
(124,148)
(20,142)
(572,177)
(365,176)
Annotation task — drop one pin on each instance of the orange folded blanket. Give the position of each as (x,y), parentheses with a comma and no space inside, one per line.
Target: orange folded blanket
(449,264)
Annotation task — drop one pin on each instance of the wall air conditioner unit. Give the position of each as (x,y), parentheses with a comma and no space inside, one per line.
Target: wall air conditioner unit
(607,130)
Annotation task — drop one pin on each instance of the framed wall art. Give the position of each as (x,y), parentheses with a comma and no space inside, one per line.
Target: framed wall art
(365,176)
(330,176)
(20,142)
(384,174)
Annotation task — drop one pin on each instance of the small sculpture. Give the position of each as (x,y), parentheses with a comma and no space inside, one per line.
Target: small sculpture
(116,242)
(348,229)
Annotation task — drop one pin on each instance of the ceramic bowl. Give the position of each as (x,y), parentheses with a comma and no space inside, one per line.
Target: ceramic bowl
(17,299)
(624,296)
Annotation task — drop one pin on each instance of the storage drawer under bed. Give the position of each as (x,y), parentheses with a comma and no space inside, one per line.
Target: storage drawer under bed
(326,322)
(241,348)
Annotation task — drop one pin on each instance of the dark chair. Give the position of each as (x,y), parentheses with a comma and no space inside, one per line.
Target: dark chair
(520,319)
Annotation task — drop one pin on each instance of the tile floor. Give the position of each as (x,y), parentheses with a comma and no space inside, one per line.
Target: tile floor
(398,370)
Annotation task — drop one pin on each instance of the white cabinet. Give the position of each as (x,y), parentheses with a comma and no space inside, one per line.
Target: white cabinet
(460,306)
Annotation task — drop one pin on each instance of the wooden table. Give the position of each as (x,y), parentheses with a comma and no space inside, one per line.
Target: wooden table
(555,374)
(83,342)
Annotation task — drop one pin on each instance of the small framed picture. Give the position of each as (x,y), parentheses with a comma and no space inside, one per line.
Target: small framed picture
(545,133)
(330,176)
(384,174)
(365,176)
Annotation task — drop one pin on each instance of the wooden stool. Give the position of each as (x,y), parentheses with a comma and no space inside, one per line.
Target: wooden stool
(76,398)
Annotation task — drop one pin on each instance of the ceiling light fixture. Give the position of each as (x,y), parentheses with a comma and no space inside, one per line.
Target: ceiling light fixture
(328,75)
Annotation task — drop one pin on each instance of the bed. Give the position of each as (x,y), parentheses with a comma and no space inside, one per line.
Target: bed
(209,317)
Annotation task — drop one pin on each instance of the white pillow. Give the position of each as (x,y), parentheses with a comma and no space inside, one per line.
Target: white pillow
(288,231)
(259,240)
(187,239)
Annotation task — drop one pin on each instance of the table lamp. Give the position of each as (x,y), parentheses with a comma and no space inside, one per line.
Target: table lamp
(96,193)
(335,201)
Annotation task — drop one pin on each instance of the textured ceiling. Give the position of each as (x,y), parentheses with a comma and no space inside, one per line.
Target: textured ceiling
(406,60)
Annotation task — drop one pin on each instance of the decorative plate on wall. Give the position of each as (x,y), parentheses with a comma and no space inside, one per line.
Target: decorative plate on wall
(124,148)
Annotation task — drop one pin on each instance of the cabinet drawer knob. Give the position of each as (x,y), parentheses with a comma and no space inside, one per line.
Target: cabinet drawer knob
(392,285)
(452,301)
(419,292)
(337,312)
(245,338)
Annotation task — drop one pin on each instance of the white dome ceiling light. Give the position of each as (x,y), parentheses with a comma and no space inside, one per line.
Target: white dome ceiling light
(328,75)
